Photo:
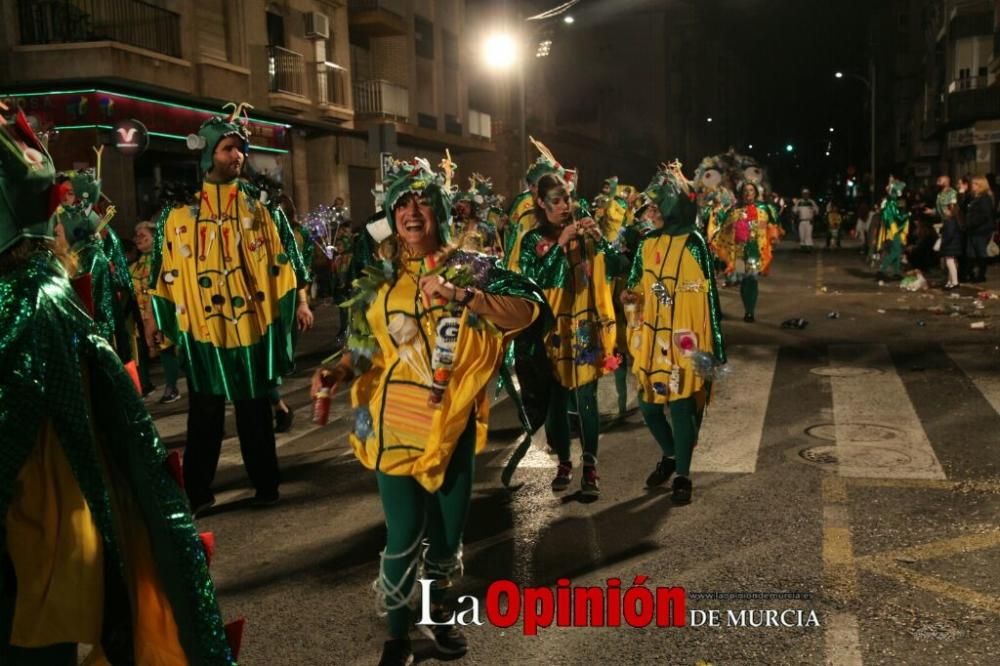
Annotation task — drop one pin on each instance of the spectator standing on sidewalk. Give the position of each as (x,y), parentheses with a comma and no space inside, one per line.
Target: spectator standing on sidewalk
(979,227)
(951,245)
(805,210)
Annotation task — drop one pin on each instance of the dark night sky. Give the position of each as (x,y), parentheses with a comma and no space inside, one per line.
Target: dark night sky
(792,48)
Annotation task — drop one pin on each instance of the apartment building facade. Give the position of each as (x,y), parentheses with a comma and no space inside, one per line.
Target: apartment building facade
(955,121)
(80,68)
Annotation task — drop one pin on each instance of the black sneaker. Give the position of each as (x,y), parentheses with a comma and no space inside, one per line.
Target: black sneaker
(283,420)
(748,318)
(682,490)
(170,394)
(146,390)
(564,474)
(264,499)
(588,483)
(448,637)
(396,652)
(664,470)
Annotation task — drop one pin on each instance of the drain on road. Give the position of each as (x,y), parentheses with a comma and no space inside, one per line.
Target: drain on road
(844,371)
(854,432)
(855,456)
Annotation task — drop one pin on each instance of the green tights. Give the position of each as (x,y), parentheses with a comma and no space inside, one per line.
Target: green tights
(412,515)
(748,292)
(678,441)
(584,400)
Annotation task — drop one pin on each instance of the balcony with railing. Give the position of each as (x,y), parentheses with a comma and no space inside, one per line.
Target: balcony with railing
(971,99)
(97,41)
(331,91)
(377,18)
(131,22)
(383,99)
(286,80)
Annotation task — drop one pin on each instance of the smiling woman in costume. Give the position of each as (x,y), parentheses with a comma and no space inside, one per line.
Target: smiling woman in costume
(427,333)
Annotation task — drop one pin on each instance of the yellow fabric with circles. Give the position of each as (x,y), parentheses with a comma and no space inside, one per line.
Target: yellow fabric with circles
(226,271)
(585,299)
(409,437)
(666,259)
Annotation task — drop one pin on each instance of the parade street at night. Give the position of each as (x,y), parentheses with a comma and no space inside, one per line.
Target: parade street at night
(499,332)
(862,471)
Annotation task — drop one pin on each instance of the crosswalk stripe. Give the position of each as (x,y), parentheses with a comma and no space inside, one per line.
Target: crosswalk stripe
(982,366)
(731,434)
(878,433)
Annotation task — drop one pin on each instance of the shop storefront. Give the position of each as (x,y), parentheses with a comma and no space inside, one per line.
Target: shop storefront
(78,120)
(976,149)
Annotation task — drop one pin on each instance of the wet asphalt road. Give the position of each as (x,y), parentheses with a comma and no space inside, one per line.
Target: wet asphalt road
(856,460)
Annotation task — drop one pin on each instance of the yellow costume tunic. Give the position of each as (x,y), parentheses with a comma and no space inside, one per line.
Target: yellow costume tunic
(685,307)
(746,235)
(224,291)
(408,437)
(577,288)
(522,220)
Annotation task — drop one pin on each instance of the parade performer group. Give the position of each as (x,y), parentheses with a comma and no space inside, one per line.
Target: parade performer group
(445,291)
(97,541)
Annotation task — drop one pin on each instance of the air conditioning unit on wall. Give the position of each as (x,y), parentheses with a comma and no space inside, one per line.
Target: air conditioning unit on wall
(317,26)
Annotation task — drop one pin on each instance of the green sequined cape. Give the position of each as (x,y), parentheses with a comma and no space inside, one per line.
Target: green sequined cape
(109,313)
(53,362)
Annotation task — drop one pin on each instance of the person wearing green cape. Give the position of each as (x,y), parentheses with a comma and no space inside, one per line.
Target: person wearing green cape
(97,543)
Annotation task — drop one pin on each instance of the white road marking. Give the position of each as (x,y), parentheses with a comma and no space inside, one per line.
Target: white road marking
(843,646)
(981,365)
(878,433)
(733,428)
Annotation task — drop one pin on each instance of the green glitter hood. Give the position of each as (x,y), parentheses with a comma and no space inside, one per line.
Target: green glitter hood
(215,129)
(672,195)
(26,179)
(418,177)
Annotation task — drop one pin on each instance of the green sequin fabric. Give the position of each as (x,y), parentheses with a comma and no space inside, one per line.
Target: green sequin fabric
(55,365)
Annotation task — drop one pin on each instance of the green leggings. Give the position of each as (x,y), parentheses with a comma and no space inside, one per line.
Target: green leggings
(168,358)
(679,441)
(413,515)
(748,292)
(892,263)
(584,400)
(621,384)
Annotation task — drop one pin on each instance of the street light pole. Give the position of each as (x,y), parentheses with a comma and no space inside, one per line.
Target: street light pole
(871,88)
(870,83)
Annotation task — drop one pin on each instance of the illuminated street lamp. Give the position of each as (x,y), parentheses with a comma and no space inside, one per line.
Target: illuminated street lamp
(568,19)
(789,148)
(500,51)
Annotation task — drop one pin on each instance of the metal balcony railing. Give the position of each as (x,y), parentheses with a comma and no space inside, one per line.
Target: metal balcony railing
(394,6)
(130,22)
(968,83)
(285,71)
(331,84)
(381,98)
